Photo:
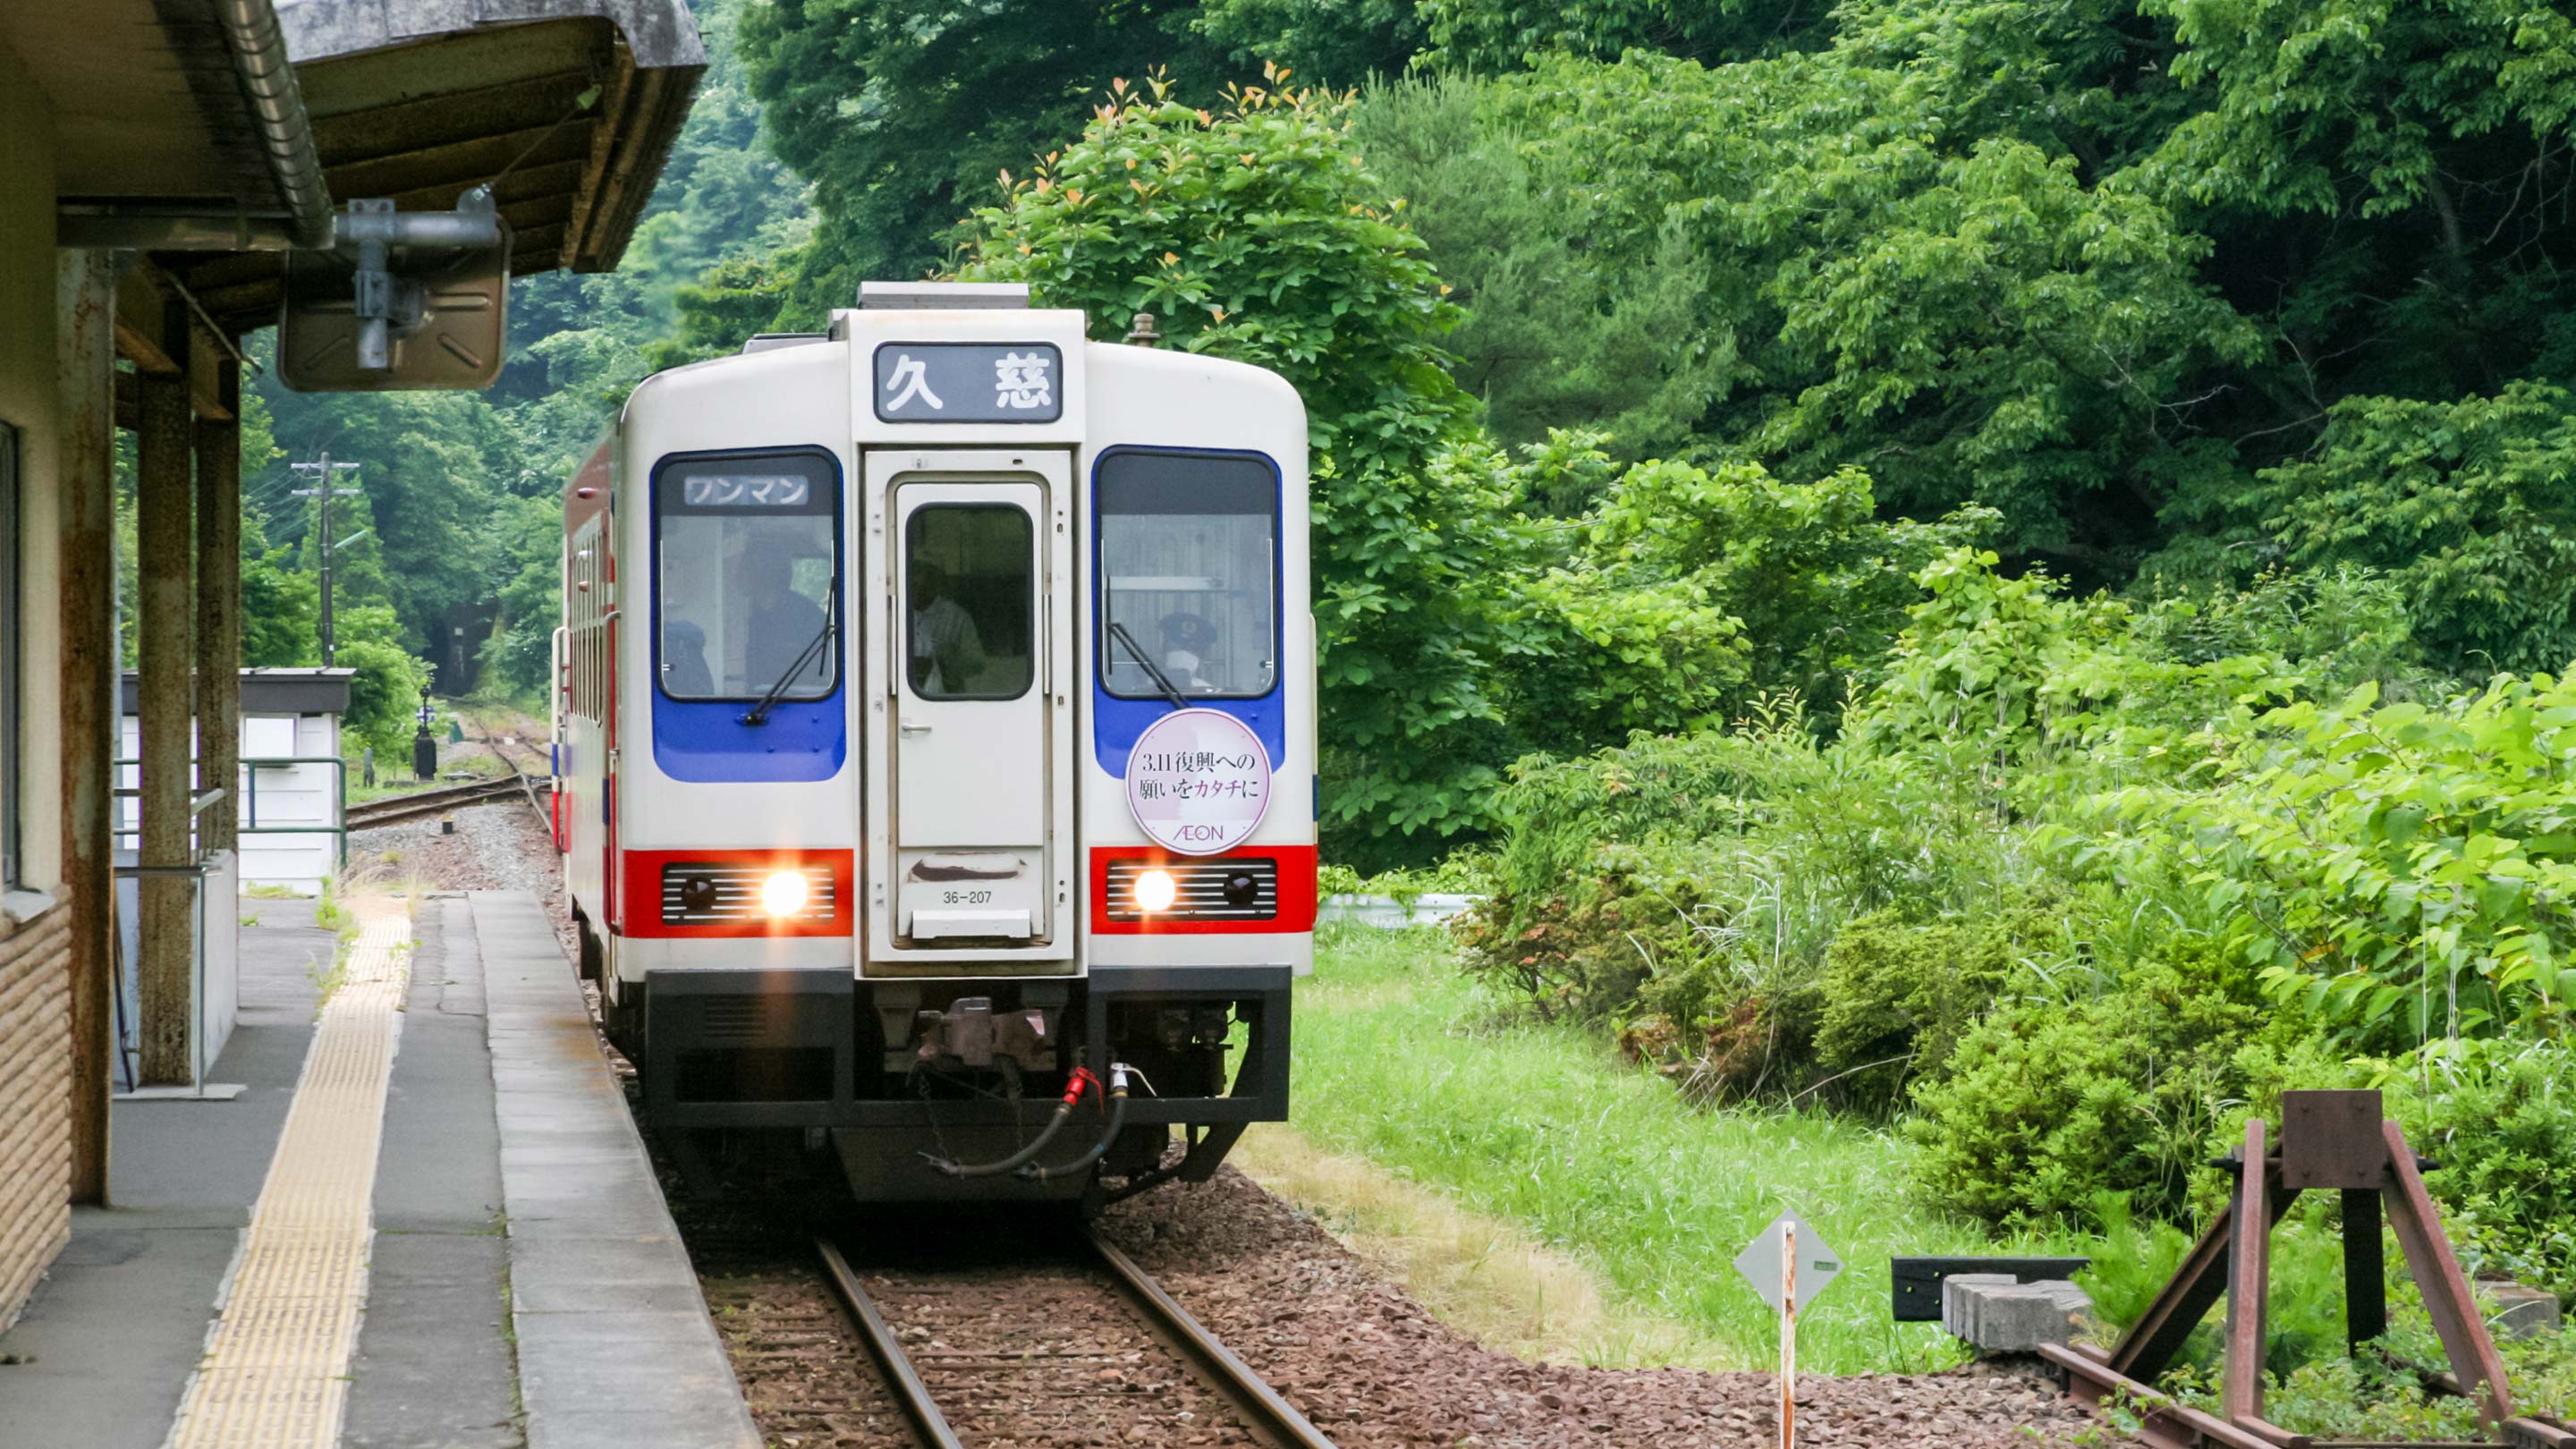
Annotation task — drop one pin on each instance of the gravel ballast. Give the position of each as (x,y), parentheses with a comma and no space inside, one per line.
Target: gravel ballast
(1372,1367)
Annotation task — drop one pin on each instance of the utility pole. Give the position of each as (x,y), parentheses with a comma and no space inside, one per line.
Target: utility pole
(326,490)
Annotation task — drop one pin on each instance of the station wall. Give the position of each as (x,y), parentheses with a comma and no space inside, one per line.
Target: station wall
(35,973)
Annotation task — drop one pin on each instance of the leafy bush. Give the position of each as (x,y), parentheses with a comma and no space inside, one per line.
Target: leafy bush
(1899,992)
(2499,1116)
(2046,1105)
(1691,886)
(1808,569)
(2404,870)
(1464,872)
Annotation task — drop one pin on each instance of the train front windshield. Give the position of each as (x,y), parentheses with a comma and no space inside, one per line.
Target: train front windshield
(1189,576)
(746,552)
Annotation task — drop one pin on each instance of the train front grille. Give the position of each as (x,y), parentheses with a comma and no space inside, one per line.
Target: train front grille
(1203,890)
(718,893)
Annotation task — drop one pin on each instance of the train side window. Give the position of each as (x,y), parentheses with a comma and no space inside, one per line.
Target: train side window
(747,549)
(970,598)
(1188,573)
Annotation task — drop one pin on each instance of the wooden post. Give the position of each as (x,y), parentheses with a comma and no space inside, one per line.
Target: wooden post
(2249,1280)
(165,557)
(219,618)
(1788,1335)
(85,308)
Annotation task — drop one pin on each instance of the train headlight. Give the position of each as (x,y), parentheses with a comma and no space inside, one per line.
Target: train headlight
(1156,890)
(784,892)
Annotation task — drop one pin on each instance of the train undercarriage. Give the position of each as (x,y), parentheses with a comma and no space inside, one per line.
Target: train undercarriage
(887,1079)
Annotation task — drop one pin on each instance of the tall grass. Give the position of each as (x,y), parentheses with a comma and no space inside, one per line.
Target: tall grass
(1403,1060)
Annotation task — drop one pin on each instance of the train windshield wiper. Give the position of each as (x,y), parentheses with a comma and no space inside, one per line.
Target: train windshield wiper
(1161,680)
(759,713)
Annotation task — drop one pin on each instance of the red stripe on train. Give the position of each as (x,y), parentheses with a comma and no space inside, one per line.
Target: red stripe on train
(643,892)
(1296,892)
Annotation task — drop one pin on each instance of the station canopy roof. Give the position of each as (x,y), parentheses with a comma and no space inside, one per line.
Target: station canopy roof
(572,104)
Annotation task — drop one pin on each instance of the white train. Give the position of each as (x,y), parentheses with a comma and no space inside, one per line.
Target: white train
(935,747)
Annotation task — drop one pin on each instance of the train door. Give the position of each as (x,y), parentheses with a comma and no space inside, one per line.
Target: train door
(970,787)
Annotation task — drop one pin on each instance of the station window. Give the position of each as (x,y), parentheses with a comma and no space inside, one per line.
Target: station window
(970,596)
(13,628)
(1188,574)
(748,549)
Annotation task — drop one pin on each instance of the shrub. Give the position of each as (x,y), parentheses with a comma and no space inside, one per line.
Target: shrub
(1898,994)
(1594,847)
(2045,1106)
(2404,870)
(2499,1116)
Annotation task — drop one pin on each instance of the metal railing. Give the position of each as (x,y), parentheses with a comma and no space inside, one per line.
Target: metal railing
(249,824)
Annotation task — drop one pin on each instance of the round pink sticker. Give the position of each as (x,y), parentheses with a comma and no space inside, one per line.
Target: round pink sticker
(1198,781)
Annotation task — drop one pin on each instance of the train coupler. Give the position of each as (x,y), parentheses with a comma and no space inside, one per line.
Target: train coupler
(970,1034)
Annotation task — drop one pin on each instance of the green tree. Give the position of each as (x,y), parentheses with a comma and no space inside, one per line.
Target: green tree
(387,680)
(1559,334)
(1966,318)
(281,605)
(901,111)
(1327,42)
(1257,234)
(1492,35)
(2466,505)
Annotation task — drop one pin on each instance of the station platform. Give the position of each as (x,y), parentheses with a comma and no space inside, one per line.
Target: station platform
(427,1222)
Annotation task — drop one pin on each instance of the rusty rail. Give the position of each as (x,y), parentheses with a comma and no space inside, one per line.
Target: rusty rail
(1270,1418)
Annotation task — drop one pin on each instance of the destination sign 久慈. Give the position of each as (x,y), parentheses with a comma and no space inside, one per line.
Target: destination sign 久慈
(969,382)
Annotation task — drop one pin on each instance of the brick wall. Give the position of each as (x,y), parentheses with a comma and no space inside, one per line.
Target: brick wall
(35,1104)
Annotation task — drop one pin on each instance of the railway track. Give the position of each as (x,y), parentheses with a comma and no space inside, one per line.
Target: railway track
(432,802)
(449,797)
(1084,1347)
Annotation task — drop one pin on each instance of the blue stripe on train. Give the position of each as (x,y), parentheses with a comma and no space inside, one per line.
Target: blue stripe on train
(706,742)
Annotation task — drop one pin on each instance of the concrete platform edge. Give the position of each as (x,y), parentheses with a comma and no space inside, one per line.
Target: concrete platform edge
(582,1380)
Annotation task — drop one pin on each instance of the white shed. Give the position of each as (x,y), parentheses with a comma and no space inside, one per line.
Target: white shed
(290,776)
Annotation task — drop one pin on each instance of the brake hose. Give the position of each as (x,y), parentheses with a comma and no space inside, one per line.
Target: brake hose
(1109,1134)
(1082,1080)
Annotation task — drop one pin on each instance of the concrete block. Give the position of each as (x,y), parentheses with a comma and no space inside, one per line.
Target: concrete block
(1958,1306)
(1998,1315)
(2521,1311)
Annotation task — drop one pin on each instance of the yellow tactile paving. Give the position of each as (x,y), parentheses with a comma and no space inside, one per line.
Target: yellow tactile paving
(275,1374)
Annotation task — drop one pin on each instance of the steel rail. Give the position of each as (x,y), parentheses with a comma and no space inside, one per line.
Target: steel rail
(910,1393)
(1261,1404)
(429,802)
(1269,1417)
(527,781)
